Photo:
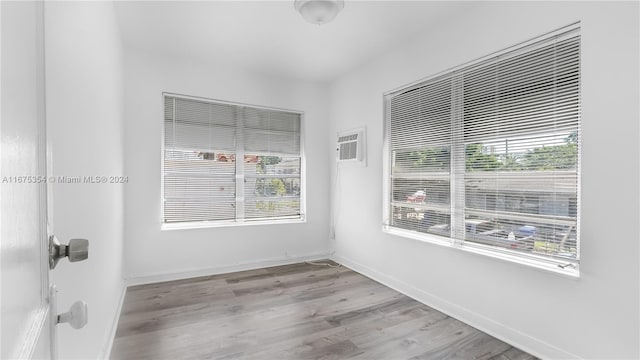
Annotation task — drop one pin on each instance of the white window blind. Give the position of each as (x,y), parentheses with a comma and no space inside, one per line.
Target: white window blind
(487,155)
(230,163)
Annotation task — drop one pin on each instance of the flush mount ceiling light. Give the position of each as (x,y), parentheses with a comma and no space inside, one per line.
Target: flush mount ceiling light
(318,11)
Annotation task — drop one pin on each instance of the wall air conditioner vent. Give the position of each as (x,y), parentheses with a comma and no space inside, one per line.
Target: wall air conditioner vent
(351,147)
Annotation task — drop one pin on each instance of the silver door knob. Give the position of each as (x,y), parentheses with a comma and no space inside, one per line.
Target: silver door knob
(76,250)
(77,316)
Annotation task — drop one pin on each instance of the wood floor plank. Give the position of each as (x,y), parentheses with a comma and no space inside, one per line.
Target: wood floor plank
(283,348)
(297,311)
(240,328)
(475,345)
(513,354)
(372,322)
(237,324)
(245,305)
(187,311)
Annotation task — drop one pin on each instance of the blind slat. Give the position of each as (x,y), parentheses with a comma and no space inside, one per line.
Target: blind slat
(202,178)
(508,131)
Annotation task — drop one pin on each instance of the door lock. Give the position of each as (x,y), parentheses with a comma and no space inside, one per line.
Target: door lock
(76,250)
(77,316)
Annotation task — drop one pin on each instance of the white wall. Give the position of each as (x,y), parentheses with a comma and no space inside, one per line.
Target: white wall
(595,316)
(152,254)
(85,130)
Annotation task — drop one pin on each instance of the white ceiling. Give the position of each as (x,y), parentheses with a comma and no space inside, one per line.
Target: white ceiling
(270,36)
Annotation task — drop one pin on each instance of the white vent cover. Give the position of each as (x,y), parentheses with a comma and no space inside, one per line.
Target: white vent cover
(351,147)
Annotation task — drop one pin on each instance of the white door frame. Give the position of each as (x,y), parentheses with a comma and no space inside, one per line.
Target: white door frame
(38,341)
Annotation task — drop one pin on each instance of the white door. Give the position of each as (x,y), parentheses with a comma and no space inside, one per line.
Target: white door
(26,317)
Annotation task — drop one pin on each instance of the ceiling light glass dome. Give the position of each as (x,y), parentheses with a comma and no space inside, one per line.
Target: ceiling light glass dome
(318,11)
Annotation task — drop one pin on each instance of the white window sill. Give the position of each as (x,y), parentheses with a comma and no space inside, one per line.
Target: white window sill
(528,260)
(230,223)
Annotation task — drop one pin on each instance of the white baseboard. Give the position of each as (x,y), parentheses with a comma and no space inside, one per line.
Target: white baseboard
(509,335)
(105,354)
(155,278)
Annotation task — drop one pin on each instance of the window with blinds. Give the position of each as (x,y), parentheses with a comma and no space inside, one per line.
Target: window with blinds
(230,163)
(486,156)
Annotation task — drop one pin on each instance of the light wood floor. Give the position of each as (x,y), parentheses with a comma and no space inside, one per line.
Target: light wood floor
(298,311)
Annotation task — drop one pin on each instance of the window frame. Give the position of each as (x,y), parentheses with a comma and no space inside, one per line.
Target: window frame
(556,266)
(302,218)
